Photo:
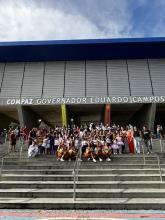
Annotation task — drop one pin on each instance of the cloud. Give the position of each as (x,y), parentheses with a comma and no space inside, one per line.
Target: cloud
(46,20)
(80,19)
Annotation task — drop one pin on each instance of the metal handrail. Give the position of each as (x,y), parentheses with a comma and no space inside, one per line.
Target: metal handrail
(160,170)
(75,172)
(21,148)
(8,152)
(6,136)
(144,158)
(161,149)
(2,163)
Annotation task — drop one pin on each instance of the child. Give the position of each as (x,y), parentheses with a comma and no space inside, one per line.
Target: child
(120,143)
(106,152)
(60,152)
(115,146)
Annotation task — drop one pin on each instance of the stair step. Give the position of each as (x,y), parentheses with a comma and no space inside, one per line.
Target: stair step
(82,184)
(103,177)
(83,203)
(83,171)
(83,193)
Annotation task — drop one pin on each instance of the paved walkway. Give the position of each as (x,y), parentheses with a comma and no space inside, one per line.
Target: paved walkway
(79,214)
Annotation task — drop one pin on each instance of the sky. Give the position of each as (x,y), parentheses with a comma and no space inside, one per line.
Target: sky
(24,20)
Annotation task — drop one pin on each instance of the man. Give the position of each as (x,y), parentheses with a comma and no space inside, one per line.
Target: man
(146,135)
(78,146)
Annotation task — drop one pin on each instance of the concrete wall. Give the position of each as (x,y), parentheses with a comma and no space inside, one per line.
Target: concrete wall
(27,117)
(142,114)
(5,121)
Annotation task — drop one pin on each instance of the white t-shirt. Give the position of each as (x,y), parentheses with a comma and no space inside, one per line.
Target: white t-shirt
(56,142)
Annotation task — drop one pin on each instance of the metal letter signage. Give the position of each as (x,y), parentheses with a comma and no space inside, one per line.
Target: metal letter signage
(84,100)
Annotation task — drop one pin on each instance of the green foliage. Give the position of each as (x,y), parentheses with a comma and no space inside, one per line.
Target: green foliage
(13,125)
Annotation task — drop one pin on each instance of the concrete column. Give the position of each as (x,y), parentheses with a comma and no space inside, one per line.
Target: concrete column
(107,114)
(64,115)
(27,117)
(145,116)
(151,116)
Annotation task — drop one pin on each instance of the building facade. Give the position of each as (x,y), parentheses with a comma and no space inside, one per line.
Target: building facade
(110,81)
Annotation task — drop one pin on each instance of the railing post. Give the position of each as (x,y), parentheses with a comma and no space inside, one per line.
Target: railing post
(20,154)
(2,161)
(75,173)
(161,145)
(9,147)
(143,154)
(160,171)
(74,186)
(23,144)
(6,138)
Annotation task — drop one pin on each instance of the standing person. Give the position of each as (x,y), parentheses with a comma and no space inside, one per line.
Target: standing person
(51,138)
(120,143)
(136,139)
(115,146)
(125,141)
(130,140)
(17,132)
(146,134)
(159,132)
(56,144)
(46,145)
(25,132)
(32,136)
(78,147)
(12,140)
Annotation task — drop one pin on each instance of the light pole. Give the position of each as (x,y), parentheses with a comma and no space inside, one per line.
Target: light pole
(39,120)
(71,125)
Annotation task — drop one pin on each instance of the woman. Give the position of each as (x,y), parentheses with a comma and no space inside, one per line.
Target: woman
(136,139)
(60,152)
(106,152)
(120,142)
(12,140)
(56,144)
(46,145)
(98,149)
(130,140)
(71,151)
(89,153)
(33,149)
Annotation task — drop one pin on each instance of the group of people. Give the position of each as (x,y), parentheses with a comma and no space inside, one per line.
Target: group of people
(94,142)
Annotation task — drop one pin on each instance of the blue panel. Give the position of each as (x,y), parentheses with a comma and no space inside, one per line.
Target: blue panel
(98,49)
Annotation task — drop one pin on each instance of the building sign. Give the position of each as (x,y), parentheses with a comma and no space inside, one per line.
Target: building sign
(85,100)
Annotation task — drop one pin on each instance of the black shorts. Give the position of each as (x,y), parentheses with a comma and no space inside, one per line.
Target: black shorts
(13,143)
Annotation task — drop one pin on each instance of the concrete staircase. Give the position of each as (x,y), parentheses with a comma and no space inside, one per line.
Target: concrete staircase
(44,183)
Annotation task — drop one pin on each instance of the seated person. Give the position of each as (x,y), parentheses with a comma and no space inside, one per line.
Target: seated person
(33,149)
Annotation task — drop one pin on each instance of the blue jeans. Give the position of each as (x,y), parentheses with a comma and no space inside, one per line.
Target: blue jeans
(136,141)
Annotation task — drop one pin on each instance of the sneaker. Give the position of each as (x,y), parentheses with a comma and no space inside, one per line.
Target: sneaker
(108,159)
(61,159)
(148,152)
(94,160)
(89,159)
(79,159)
(100,159)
